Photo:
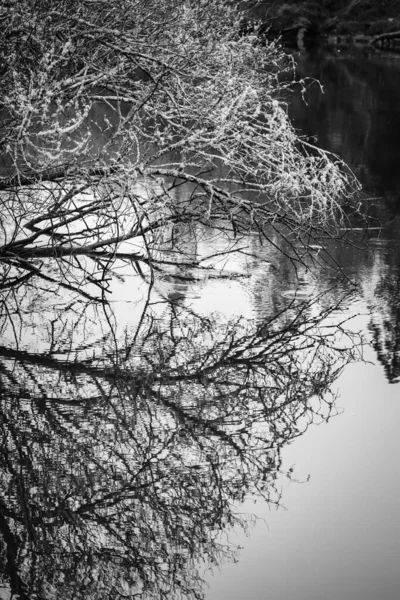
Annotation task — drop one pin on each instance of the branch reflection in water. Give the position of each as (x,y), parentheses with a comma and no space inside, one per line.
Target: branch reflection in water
(125,454)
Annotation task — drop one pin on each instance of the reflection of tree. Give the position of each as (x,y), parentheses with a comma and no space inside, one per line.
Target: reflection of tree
(119,474)
(385,321)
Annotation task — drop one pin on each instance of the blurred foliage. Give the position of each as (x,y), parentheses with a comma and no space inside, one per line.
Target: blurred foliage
(342,16)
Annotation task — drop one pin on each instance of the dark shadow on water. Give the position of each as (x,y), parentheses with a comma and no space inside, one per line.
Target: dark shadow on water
(356,115)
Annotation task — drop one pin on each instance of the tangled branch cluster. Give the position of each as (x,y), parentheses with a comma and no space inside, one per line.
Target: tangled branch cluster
(120,120)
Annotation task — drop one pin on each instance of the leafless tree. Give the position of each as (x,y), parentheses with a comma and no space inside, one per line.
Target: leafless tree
(121,120)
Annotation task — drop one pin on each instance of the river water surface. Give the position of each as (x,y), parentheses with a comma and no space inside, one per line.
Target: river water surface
(340,535)
(136,436)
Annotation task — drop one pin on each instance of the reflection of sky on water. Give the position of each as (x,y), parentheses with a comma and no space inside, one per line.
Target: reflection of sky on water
(335,533)
(197,368)
(340,537)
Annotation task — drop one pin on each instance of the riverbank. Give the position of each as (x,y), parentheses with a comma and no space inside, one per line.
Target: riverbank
(325,19)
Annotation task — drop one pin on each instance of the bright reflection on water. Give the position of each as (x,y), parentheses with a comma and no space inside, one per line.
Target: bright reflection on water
(130,433)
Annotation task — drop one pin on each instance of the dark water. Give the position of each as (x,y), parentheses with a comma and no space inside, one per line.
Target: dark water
(355,115)
(136,437)
(358,118)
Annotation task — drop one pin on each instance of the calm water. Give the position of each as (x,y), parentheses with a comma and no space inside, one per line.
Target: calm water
(136,439)
(340,537)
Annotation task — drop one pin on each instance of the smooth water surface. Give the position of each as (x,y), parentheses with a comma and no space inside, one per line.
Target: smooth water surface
(340,535)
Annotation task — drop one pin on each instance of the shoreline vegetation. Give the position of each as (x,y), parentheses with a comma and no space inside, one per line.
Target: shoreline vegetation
(330,22)
(177,101)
